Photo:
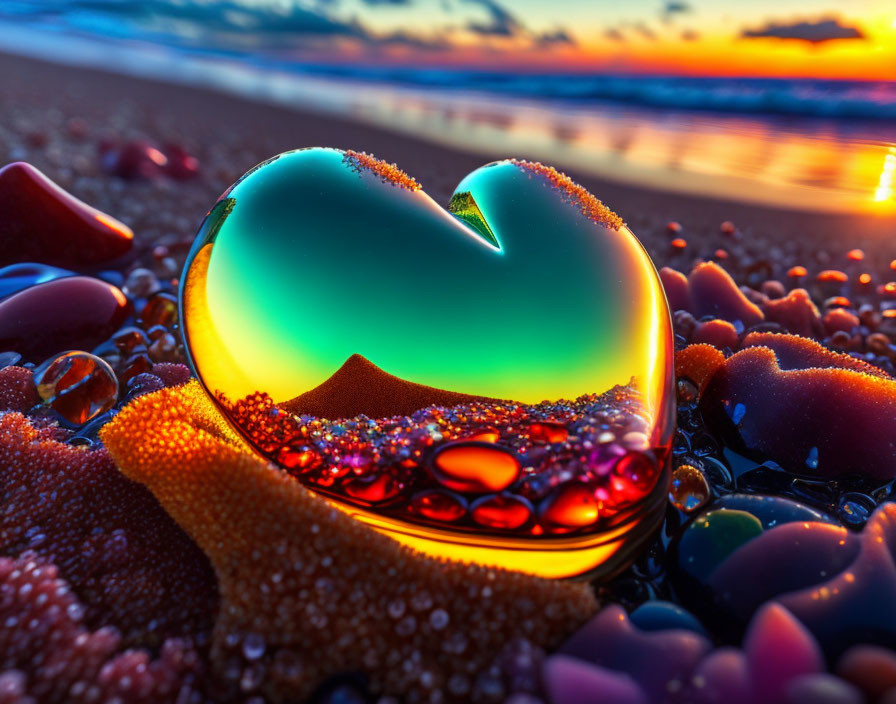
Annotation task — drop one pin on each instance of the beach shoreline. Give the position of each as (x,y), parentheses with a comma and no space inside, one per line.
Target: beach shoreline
(230,134)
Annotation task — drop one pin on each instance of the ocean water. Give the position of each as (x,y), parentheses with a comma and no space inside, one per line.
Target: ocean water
(801,143)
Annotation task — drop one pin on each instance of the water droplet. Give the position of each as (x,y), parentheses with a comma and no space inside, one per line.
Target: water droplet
(812,458)
(546,431)
(571,505)
(253,646)
(689,490)
(77,385)
(475,467)
(503,511)
(438,619)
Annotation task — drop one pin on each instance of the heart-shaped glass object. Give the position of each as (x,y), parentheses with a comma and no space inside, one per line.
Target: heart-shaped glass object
(488,382)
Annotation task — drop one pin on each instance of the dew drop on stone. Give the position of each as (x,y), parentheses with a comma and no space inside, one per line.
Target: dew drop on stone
(689,490)
(77,385)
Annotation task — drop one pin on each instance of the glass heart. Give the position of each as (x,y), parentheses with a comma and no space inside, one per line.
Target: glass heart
(488,382)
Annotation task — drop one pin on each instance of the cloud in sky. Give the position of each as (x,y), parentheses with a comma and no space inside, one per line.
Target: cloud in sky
(501,23)
(645,31)
(556,37)
(672,8)
(614,34)
(812,31)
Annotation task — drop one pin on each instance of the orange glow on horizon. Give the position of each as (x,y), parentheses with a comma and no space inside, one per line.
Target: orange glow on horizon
(719,52)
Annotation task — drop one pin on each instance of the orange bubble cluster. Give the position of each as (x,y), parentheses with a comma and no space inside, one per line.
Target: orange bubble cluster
(383,169)
(591,207)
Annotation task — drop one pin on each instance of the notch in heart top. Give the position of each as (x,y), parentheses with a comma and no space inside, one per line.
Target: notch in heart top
(489,382)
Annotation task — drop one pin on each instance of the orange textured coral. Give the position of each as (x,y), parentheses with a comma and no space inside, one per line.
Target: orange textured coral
(591,207)
(383,169)
(698,363)
(306,591)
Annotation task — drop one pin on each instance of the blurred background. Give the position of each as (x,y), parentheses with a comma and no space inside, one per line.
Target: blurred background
(781,103)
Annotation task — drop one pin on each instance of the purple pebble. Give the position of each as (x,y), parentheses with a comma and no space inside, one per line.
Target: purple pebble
(571,681)
(779,649)
(172,374)
(822,689)
(722,678)
(660,661)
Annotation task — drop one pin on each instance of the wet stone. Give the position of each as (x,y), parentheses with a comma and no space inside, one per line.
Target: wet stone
(77,385)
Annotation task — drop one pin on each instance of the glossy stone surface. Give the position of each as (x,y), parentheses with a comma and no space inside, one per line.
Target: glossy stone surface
(78,312)
(18,277)
(43,223)
(328,285)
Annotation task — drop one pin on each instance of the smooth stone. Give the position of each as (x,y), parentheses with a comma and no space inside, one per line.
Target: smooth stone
(18,277)
(773,510)
(869,667)
(67,314)
(571,681)
(779,649)
(723,677)
(788,558)
(712,537)
(43,223)
(822,688)
(663,616)
(660,661)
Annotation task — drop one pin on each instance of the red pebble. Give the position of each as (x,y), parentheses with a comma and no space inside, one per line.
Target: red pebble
(810,420)
(135,160)
(676,286)
(713,292)
(718,333)
(172,374)
(773,289)
(855,255)
(840,319)
(673,228)
(43,223)
(17,390)
(727,228)
(869,667)
(796,313)
(181,164)
(678,244)
(66,314)
(160,309)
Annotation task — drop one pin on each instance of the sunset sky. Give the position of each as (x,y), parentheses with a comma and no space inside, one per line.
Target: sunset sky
(818,38)
(810,38)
